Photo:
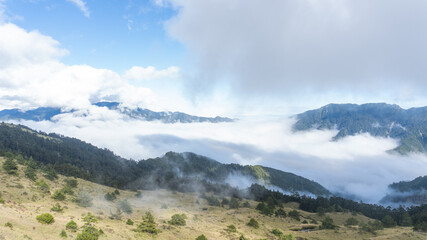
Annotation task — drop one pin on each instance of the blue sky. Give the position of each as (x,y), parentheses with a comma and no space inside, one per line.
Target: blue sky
(115,35)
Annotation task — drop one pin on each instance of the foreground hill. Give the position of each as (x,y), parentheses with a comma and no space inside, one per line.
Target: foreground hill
(378,119)
(177,171)
(22,200)
(48,114)
(405,192)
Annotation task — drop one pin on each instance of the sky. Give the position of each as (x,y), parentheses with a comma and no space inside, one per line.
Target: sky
(258,61)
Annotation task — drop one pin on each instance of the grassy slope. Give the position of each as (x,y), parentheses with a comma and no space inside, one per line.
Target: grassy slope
(20,210)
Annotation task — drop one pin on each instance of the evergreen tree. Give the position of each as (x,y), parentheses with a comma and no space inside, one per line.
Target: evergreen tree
(10,166)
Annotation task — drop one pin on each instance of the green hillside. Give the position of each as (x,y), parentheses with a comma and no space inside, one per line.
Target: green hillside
(378,119)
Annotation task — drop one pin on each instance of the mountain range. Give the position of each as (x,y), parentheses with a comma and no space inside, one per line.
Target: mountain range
(409,126)
(410,192)
(48,114)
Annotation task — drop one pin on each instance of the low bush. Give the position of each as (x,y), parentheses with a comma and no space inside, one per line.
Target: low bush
(58,195)
(201,237)
(57,208)
(71,226)
(45,218)
(253,223)
(178,219)
(231,228)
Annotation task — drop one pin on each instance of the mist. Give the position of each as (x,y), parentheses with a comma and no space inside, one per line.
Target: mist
(359,166)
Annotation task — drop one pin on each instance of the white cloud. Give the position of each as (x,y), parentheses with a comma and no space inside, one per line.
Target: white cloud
(150,72)
(307,48)
(82,6)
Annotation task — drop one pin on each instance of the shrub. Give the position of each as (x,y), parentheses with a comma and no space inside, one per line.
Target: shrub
(129,222)
(51,174)
(57,208)
(30,173)
(89,233)
(67,189)
(328,223)
(294,214)
(253,223)
(147,225)
(45,218)
(246,204)
(280,213)
(231,228)
(201,237)
(116,192)
(125,206)
(421,226)
(10,166)
(213,201)
(1,200)
(8,224)
(117,215)
(234,204)
(71,182)
(351,221)
(71,226)
(110,197)
(178,219)
(242,237)
(63,234)
(89,218)
(265,209)
(43,186)
(277,232)
(58,195)
(83,199)
(288,237)
(371,227)
(225,202)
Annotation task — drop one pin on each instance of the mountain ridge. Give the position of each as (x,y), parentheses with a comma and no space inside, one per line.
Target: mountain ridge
(378,119)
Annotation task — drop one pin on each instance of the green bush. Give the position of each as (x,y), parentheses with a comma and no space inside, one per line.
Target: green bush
(351,221)
(58,195)
(421,226)
(147,225)
(63,234)
(265,209)
(388,222)
(242,237)
(371,227)
(89,233)
(277,232)
(89,218)
(178,219)
(110,197)
(294,214)
(45,218)
(253,223)
(125,206)
(50,174)
(57,208)
(201,237)
(8,224)
(116,192)
(30,173)
(288,237)
(129,222)
(71,182)
(71,226)
(67,189)
(43,186)
(10,166)
(213,201)
(231,228)
(328,223)
(234,204)
(246,204)
(280,213)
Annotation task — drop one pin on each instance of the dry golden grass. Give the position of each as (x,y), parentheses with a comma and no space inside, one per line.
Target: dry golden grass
(23,202)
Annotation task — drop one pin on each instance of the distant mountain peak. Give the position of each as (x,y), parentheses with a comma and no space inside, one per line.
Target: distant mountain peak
(377,119)
(47,113)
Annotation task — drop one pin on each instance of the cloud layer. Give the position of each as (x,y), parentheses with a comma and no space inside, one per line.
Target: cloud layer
(303,47)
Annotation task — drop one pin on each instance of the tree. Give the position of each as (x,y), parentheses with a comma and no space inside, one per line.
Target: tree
(294,214)
(71,226)
(30,173)
(388,222)
(328,223)
(280,213)
(10,166)
(58,195)
(178,219)
(147,225)
(202,237)
(110,197)
(351,221)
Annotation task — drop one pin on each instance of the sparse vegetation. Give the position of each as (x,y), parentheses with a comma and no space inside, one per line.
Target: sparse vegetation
(45,218)
(8,224)
(231,228)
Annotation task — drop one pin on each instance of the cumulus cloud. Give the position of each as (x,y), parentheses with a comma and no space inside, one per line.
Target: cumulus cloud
(82,6)
(150,72)
(291,48)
